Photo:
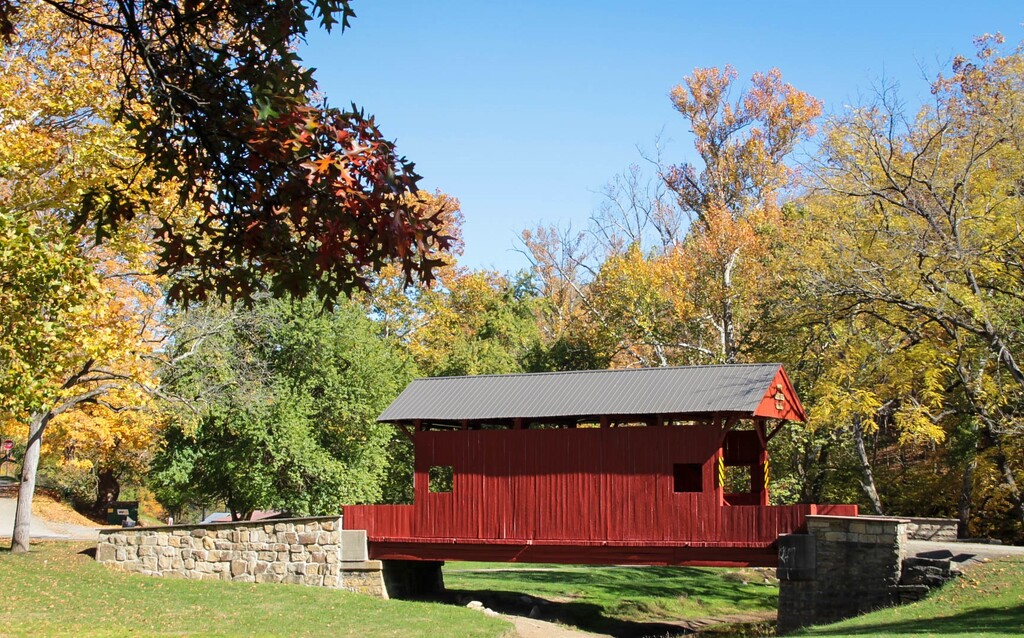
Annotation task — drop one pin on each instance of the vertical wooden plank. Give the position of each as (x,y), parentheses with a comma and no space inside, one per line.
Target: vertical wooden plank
(521,505)
(422,459)
(587,484)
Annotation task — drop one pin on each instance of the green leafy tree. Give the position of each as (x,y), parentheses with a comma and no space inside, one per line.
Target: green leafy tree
(250,455)
(284,399)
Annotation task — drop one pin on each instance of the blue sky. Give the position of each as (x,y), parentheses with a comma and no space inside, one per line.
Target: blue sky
(525,110)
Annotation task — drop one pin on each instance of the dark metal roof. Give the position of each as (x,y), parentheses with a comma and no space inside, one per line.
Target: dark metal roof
(639,391)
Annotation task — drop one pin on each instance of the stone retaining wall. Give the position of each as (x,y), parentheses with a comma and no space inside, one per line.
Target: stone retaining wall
(307,551)
(932,529)
(850,565)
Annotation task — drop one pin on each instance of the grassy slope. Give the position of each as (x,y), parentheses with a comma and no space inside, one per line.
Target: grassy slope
(48,508)
(988,601)
(55,590)
(627,593)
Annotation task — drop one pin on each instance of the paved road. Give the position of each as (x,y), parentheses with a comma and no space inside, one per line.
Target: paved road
(963,552)
(42,529)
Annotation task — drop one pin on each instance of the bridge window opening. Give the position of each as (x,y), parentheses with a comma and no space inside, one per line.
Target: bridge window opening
(441,478)
(557,425)
(738,479)
(441,426)
(687,423)
(687,477)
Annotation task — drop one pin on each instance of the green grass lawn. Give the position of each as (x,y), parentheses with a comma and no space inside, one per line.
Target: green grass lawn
(987,601)
(57,591)
(607,599)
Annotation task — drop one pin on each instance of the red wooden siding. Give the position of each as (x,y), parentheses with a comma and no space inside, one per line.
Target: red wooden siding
(380,520)
(835,510)
(560,484)
(519,491)
(737,547)
(791,410)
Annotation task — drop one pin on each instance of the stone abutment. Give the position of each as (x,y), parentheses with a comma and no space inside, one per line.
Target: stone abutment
(304,551)
(844,566)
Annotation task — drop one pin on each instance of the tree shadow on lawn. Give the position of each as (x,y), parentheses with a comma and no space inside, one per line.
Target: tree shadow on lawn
(5,545)
(585,616)
(1006,621)
(699,584)
(548,594)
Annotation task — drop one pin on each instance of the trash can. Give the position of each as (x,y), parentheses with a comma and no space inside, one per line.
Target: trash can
(120,511)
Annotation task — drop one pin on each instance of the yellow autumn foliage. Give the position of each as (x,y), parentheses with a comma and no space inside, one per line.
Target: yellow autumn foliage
(80,319)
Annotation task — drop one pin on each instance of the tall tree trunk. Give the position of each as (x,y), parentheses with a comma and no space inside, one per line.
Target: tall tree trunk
(991,438)
(966,502)
(107,491)
(1011,482)
(729,347)
(867,481)
(814,480)
(23,514)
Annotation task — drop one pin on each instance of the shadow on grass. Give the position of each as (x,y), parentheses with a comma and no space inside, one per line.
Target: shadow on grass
(1006,621)
(89,551)
(585,616)
(627,602)
(640,582)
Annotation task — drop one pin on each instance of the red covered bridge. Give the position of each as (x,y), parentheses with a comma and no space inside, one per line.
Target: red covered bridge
(645,466)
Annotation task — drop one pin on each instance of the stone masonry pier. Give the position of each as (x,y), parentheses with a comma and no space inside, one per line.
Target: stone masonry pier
(307,551)
(844,566)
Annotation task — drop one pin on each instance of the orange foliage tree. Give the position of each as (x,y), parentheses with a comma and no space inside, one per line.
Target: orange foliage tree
(733,196)
(670,270)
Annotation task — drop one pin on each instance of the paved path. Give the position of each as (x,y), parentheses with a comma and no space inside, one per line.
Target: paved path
(43,529)
(962,552)
(533,628)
